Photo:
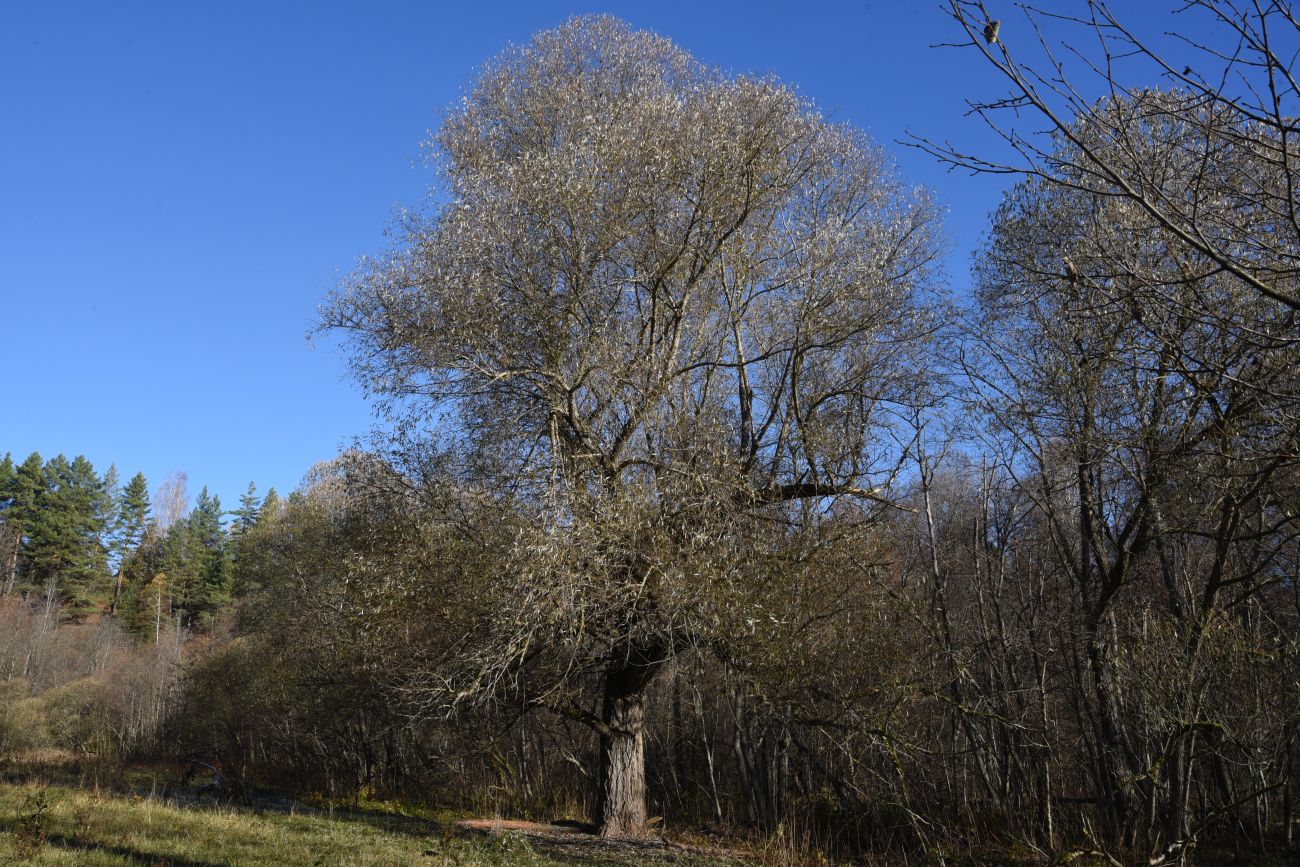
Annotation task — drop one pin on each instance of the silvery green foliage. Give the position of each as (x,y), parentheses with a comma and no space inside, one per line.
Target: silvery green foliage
(649,298)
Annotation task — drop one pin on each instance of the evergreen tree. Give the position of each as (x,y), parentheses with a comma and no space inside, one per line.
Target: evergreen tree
(26,489)
(133,510)
(112,486)
(271,507)
(106,515)
(65,544)
(197,562)
(246,514)
(130,524)
(7,471)
(10,535)
(246,518)
(142,601)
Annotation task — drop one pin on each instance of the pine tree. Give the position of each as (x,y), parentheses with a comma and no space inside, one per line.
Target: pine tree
(26,489)
(66,538)
(10,535)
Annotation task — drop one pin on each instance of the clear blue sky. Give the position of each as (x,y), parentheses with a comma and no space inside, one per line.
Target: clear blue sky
(181,183)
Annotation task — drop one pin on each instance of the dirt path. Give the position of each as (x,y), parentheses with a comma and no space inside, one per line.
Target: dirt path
(571,840)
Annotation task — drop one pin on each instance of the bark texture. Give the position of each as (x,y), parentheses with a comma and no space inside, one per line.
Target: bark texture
(621,806)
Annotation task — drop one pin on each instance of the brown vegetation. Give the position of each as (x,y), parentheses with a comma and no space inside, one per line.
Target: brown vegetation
(702,510)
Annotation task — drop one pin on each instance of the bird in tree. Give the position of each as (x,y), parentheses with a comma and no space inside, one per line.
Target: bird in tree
(1071,270)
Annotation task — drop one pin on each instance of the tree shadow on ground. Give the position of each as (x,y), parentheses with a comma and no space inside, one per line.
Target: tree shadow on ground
(134,856)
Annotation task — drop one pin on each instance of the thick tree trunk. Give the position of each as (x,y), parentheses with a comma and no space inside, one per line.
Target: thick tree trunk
(622,795)
(620,805)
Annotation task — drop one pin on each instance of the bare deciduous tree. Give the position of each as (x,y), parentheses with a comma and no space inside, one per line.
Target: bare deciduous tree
(171,502)
(1231,101)
(655,306)
(1148,406)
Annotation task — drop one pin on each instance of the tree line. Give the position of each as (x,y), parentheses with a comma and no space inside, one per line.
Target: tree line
(95,545)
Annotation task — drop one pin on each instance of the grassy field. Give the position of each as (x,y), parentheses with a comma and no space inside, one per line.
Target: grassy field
(63,825)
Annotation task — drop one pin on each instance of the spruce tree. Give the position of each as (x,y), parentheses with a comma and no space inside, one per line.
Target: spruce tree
(271,506)
(198,564)
(133,510)
(246,518)
(7,471)
(130,524)
(112,488)
(246,514)
(139,607)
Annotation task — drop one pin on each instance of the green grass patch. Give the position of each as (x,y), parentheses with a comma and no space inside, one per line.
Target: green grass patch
(58,823)
(63,825)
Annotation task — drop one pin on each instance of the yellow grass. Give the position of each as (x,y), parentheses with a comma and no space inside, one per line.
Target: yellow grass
(82,827)
(87,828)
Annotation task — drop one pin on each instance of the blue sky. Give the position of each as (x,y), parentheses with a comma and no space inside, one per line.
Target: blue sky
(181,183)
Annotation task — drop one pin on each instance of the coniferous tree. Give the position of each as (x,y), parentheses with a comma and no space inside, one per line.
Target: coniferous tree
(26,488)
(112,487)
(198,562)
(131,522)
(245,519)
(65,541)
(141,603)
(133,510)
(7,470)
(271,506)
(10,537)
(254,548)
(106,514)
(246,514)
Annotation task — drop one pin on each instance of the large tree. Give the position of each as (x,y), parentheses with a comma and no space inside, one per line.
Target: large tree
(1145,399)
(652,305)
(197,562)
(1073,75)
(63,508)
(129,529)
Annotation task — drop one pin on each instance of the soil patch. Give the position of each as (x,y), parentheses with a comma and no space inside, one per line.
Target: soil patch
(579,842)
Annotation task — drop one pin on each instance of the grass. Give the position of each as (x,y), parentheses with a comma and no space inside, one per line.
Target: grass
(55,824)
(59,823)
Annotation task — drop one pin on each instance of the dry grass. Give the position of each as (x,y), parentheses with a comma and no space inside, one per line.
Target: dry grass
(76,826)
(82,827)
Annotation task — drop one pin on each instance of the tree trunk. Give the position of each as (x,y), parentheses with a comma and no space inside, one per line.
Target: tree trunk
(620,807)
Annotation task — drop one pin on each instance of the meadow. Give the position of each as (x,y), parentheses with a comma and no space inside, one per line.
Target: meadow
(63,824)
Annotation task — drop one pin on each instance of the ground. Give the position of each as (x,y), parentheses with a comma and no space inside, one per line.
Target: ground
(57,824)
